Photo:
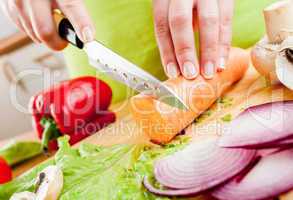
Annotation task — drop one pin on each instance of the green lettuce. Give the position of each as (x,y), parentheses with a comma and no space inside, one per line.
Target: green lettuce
(93,172)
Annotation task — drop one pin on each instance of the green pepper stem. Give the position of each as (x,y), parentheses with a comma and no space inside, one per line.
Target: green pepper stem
(47,134)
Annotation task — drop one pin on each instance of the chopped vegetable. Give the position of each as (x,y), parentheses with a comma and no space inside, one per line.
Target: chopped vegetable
(225,101)
(286,141)
(284,62)
(23,196)
(260,126)
(227,118)
(95,172)
(199,167)
(162,122)
(272,176)
(49,183)
(203,116)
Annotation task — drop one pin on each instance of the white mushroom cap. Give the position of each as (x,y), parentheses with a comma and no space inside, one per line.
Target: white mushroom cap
(278,20)
(23,196)
(263,57)
(50,183)
(284,67)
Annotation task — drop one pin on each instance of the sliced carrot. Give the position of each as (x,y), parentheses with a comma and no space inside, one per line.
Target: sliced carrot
(162,122)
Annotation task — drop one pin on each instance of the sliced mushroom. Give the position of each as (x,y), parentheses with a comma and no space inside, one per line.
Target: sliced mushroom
(24,196)
(49,183)
(284,63)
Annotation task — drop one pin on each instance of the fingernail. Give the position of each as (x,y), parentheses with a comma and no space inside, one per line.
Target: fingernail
(189,70)
(87,34)
(222,64)
(209,70)
(172,70)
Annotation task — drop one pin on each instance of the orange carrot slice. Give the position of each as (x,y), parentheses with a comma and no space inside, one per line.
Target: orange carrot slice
(162,122)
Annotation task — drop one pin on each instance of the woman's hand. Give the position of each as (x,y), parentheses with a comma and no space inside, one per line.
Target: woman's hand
(175,23)
(35,18)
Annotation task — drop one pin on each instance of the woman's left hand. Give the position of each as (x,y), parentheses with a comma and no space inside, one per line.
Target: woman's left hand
(175,23)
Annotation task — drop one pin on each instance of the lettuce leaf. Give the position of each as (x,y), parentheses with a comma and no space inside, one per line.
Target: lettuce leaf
(93,172)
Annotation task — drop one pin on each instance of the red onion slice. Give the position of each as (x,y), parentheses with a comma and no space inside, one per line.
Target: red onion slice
(201,165)
(279,144)
(285,142)
(169,192)
(260,126)
(267,152)
(272,176)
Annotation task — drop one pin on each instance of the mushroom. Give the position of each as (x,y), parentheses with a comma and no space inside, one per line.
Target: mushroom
(49,183)
(284,63)
(24,196)
(278,20)
(270,54)
(263,57)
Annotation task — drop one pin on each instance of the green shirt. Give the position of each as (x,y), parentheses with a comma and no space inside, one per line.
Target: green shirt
(126,26)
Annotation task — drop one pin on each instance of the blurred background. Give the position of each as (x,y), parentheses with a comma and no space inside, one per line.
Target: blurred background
(25,69)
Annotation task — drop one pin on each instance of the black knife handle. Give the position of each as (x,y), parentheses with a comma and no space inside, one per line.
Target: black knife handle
(66,30)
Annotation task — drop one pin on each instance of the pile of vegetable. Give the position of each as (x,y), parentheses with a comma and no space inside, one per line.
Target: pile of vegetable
(253,160)
(95,172)
(77,107)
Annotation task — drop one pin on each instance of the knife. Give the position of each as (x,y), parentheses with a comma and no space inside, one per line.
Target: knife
(117,67)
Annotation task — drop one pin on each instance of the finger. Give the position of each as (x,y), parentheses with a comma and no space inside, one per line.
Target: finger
(13,18)
(208,15)
(195,20)
(40,13)
(181,26)
(163,36)
(77,14)
(23,19)
(226,8)
(17,22)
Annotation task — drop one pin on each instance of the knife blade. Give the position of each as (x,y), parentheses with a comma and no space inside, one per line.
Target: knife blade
(119,68)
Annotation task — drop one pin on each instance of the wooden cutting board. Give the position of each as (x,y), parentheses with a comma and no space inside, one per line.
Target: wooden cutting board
(251,90)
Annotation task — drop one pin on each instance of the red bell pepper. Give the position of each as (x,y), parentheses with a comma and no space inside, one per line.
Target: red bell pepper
(70,108)
(5,172)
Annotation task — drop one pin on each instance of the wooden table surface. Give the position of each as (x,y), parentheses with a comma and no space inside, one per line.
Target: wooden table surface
(251,90)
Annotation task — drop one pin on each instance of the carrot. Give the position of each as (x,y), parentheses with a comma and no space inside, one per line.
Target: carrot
(162,122)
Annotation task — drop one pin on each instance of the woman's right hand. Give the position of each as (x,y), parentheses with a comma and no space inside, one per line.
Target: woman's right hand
(34,17)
